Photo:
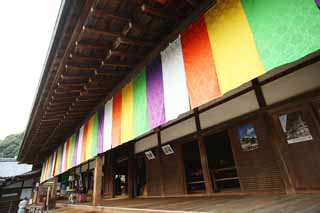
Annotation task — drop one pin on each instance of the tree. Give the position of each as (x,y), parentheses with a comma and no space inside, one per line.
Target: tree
(9,147)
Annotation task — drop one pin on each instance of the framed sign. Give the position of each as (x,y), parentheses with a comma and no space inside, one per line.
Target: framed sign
(167,149)
(149,154)
(248,138)
(294,127)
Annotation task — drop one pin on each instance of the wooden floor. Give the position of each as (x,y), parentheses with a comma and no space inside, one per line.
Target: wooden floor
(265,203)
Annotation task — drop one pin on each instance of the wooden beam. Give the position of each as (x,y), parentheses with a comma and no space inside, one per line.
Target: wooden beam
(116,65)
(100,32)
(154,12)
(258,92)
(67,98)
(99,13)
(73,78)
(123,54)
(110,73)
(69,93)
(52,120)
(71,67)
(63,99)
(90,46)
(124,40)
(75,56)
(58,103)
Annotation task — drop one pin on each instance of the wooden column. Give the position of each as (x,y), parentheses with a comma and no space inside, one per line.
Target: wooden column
(35,193)
(205,165)
(203,155)
(53,193)
(181,168)
(97,181)
(131,171)
(159,159)
(109,191)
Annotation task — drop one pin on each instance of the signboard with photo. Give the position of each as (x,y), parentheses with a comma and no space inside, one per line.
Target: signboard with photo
(295,128)
(167,149)
(150,155)
(248,138)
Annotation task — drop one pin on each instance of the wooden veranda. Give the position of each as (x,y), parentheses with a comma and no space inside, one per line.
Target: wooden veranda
(257,203)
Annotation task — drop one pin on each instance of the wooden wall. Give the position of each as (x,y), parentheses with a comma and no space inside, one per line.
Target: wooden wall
(108,177)
(258,169)
(153,176)
(173,172)
(302,158)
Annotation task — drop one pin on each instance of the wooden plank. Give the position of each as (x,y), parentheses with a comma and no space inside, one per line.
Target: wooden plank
(205,165)
(274,139)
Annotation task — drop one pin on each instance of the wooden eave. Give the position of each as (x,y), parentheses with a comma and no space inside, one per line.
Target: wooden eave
(97,47)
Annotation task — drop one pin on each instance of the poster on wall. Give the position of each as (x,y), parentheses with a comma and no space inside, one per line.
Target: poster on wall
(295,128)
(248,138)
(150,155)
(167,149)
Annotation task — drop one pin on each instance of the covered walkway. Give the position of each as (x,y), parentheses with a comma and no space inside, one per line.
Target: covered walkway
(258,203)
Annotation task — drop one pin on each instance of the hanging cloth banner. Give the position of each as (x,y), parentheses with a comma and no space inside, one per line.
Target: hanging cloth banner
(232,43)
(155,99)
(176,99)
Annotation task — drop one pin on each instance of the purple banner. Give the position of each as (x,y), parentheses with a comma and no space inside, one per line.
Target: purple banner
(75,151)
(100,129)
(155,98)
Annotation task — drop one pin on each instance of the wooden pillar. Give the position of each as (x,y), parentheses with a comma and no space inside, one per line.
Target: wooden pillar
(181,168)
(53,193)
(97,181)
(159,159)
(131,171)
(205,165)
(35,193)
(109,191)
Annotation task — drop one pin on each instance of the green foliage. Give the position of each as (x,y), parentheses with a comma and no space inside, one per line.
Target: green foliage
(9,147)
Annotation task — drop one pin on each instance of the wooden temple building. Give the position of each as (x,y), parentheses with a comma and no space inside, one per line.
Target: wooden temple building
(176,98)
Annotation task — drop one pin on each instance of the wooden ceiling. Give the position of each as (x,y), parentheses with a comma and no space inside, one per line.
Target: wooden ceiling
(96,48)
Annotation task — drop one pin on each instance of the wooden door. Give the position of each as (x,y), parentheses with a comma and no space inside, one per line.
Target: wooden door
(300,145)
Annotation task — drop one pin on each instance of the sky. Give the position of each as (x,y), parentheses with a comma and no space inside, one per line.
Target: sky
(25,34)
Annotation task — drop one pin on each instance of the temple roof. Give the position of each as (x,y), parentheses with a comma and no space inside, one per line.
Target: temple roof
(96,48)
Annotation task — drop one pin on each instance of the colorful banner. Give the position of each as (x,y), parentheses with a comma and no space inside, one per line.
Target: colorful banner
(232,43)
(176,98)
(116,119)
(107,130)
(199,64)
(140,113)
(155,99)
(127,113)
